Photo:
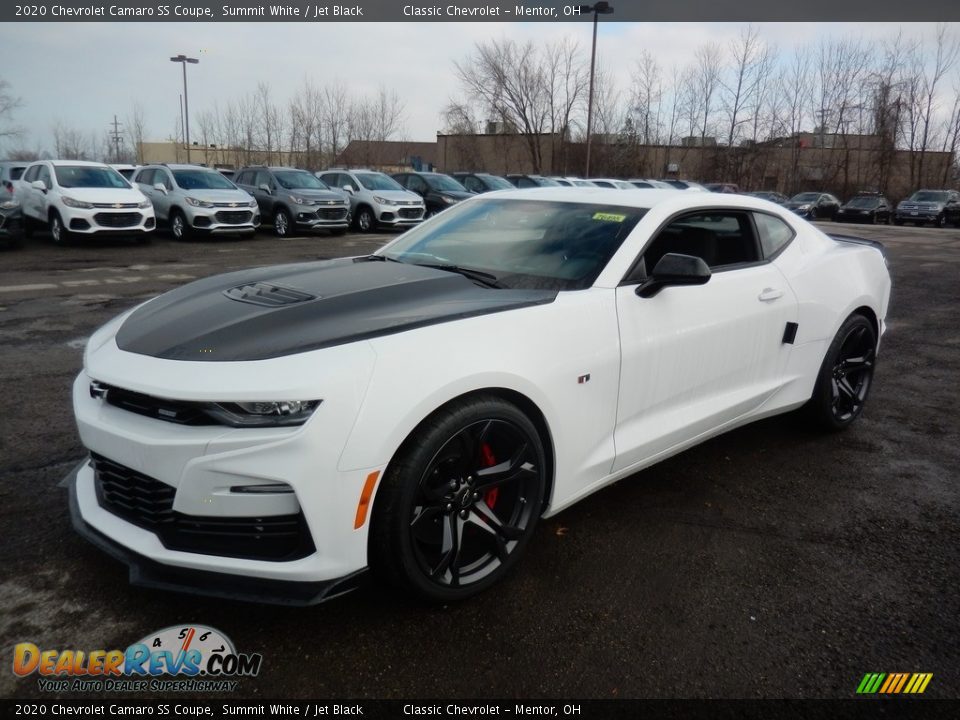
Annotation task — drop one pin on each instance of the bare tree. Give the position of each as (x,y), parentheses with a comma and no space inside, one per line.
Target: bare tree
(72,144)
(508,80)
(8,104)
(336,118)
(947,48)
(136,130)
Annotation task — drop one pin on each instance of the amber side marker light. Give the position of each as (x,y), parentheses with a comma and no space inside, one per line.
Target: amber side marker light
(364,505)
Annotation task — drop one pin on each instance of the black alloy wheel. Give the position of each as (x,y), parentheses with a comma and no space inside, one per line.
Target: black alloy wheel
(459,504)
(846,375)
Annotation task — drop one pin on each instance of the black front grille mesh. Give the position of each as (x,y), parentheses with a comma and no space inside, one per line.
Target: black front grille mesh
(234,217)
(148,503)
(118,220)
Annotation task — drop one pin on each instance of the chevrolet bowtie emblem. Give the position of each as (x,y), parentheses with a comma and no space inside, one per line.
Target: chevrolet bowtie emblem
(118,205)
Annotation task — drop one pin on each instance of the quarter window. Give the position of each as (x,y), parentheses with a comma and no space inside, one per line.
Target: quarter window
(774,233)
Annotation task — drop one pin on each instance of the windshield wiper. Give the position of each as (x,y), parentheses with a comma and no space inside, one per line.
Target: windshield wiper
(484,278)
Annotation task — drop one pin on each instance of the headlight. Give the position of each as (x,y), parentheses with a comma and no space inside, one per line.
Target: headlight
(252,203)
(449,200)
(382,201)
(264,414)
(198,203)
(9,204)
(70,202)
(803,207)
(299,200)
(145,203)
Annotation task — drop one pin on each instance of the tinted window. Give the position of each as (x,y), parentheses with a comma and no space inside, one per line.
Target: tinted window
(865,202)
(929,196)
(145,177)
(495,182)
(202,180)
(243,178)
(85,176)
(774,233)
(443,183)
(524,244)
(720,238)
(16,172)
(472,184)
(31,174)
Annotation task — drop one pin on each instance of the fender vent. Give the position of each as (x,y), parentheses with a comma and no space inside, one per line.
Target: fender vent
(267,294)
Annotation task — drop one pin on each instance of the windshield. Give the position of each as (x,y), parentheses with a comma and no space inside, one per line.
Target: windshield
(443,182)
(378,181)
(496,182)
(805,197)
(299,179)
(863,202)
(524,244)
(89,176)
(929,196)
(545,182)
(202,180)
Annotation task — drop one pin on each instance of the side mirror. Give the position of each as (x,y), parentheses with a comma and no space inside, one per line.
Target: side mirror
(160,187)
(348,189)
(674,269)
(39,185)
(265,188)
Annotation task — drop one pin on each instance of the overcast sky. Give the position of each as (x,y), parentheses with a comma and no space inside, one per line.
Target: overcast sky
(83,73)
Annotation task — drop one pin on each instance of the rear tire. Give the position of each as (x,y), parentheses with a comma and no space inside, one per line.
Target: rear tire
(459,502)
(845,377)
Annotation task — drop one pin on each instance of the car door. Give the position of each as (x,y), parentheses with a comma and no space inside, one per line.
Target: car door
(44,198)
(29,194)
(162,201)
(144,182)
(695,358)
(266,199)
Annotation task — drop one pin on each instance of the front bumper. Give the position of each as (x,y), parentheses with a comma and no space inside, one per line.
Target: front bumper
(106,221)
(917,215)
(145,572)
(400,215)
(224,220)
(323,217)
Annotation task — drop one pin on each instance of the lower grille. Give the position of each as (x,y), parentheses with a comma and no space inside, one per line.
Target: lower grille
(148,503)
(234,217)
(118,220)
(410,213)
(333,214)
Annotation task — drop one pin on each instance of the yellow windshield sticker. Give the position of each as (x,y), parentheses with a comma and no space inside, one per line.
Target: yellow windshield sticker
(609,217)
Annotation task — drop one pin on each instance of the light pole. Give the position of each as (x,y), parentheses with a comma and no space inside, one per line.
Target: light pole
(183,60)
(598,9)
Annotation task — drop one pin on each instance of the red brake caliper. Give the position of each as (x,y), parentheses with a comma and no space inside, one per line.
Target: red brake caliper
(490,497)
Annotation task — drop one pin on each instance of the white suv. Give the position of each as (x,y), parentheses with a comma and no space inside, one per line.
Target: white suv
(195,200)
(74,198)
(376,199)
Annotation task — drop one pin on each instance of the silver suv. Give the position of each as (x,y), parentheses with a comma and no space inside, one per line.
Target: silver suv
(376,199)
(196,200)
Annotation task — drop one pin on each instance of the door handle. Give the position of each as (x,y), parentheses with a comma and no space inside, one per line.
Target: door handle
(769,294)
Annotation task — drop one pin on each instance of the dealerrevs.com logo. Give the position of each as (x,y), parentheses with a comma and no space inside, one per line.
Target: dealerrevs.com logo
(180,658)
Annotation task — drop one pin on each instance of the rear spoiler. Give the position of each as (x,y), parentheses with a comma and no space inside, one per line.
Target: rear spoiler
(853,239)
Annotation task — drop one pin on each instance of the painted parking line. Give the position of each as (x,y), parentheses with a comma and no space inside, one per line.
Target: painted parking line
(89,282)
(27,288)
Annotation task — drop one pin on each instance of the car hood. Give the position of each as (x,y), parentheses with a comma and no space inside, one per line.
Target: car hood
(456,194)
(104,195)
(275,311)
(320,196)
(403,195)
(220,196)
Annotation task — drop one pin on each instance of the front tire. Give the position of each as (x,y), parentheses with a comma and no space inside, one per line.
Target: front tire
(60,235)
(179,227)
(460,501)
(941,221)
(366,222)
(282,223)
(845,376)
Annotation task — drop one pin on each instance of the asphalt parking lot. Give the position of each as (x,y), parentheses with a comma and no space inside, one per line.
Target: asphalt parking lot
(769,562)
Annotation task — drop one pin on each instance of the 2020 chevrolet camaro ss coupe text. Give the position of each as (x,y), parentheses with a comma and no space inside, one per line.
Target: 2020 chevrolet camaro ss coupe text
(273,433)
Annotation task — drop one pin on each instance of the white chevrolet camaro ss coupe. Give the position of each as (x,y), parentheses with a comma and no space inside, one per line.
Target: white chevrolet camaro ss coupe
(272,434)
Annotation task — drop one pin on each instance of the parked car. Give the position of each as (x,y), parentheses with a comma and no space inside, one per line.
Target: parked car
(613,183)
(771,195)
(195,200)
(869,208)
(76,199)
(481,182)
(646,184)
(814,205)
(125,169)
(729,188)
(438,191)
(937,207)
(376,199)
(531,181)
(416,411)
(294,200)
(11,219)
(572,182)
(684,184)
(228,173)
(10,173)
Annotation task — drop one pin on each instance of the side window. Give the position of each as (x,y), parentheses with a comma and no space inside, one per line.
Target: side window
(242,178)
(45,175)
(346,181)
(525,183)
(416,184)
(162,176)
(146,177)
(774,233)
(263,178)
(31,174)
(472,184)
(721,238)
(404,180)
